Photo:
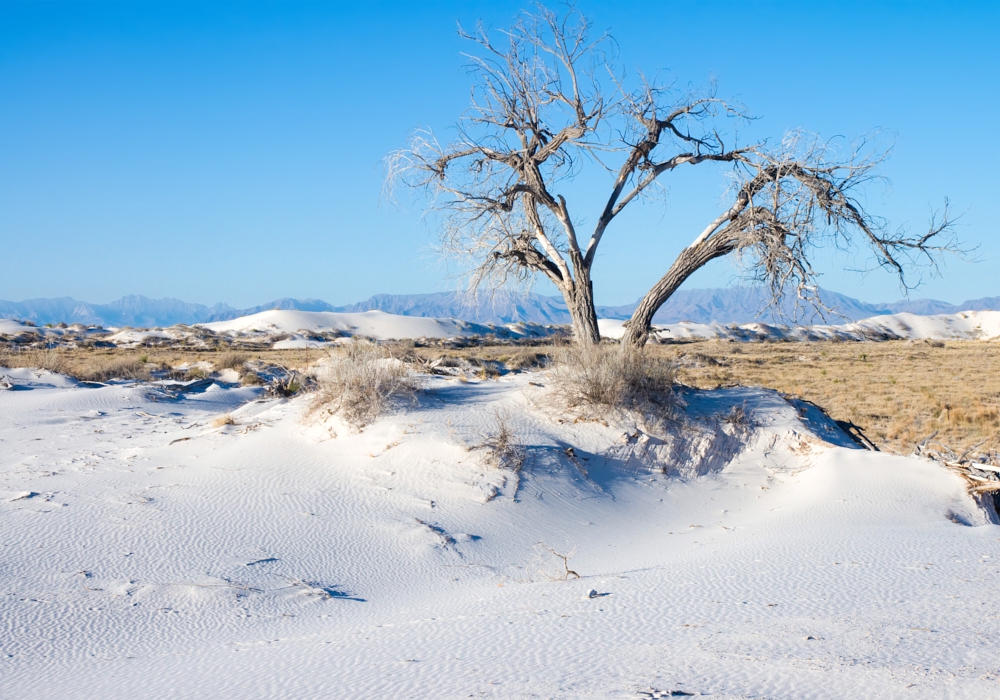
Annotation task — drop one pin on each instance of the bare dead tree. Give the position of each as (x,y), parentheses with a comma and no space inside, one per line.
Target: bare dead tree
(787,201)
(547,101)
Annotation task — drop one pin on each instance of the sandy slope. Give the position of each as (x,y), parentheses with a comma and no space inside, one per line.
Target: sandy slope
(147,554)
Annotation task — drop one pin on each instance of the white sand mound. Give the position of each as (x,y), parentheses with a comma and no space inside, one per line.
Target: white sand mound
(152,551)
(132,336)
(11,327)
(374,324)
(298,325)
(967,325)
(976,325)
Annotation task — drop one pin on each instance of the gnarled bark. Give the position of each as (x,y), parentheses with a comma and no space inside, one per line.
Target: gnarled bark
(580,303)
(691,259)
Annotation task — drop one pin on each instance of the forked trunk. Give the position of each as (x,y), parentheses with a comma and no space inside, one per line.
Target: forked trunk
(638,327)
(580,303)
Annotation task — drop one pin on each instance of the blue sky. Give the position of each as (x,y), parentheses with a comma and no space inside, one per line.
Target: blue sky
(231,151)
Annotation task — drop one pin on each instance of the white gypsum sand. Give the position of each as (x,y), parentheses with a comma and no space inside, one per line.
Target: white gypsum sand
(372,324)
(152,550)
(967,325)
(971,325)
(284,329)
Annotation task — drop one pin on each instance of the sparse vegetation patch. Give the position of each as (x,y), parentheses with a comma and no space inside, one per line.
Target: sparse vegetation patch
(601,378)
(503,449)
(361,382)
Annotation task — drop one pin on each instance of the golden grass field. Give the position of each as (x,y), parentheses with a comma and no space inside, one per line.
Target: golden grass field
(897,392)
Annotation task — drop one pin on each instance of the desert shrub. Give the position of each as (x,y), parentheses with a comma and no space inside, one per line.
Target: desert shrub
(287,382)
(503,449)
(402,350)
(223,421)
(741,419)
(525,359)
(251,379)
(50,359)
(609,377)
(362,382)
(231,359)
(103,369)
(196,372)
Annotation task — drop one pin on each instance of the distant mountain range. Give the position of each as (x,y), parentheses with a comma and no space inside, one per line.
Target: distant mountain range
(730,305)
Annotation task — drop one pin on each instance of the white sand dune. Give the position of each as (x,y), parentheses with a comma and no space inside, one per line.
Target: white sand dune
(149,554)
(298,325)
(981,325)
(10,326)
(373,324)
(967,325)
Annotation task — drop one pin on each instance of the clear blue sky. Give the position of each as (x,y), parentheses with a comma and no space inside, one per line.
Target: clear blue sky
(231,151)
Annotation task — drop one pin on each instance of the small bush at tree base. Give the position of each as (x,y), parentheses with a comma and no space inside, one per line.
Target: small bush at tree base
(362,382)
(609,377)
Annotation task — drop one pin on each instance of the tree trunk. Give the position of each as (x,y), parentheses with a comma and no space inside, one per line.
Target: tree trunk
(638,327)
(580,303)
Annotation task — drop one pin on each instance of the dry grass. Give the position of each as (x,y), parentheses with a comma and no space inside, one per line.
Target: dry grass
(251,379)
(898,392)
(609,377)
(116,368)
(223,421)
(192,373)
(524,359)
(503,449)
(231,359)
(88,362)
(97,368)
(361,382)
(53,360)
(510,357)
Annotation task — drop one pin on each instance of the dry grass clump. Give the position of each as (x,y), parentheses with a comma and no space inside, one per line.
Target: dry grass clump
(196,372)
(525,359)
(223,421)
(609,377)
(52,360)
(362,382)
(231,359)
(108,368)
(94,368)
(503,449)
(251,379)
